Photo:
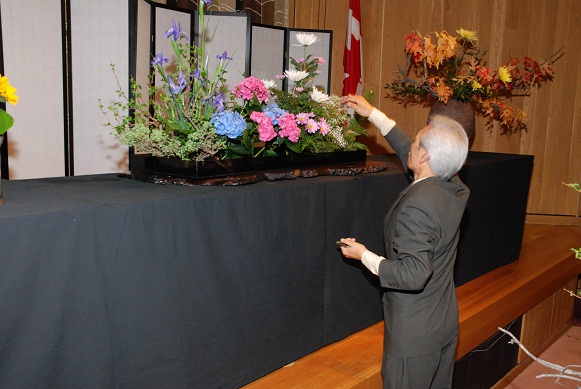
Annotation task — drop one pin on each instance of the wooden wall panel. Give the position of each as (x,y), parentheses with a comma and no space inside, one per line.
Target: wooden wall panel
(307,13)
(563,307)
(536,327)
(505,28)
(336,20)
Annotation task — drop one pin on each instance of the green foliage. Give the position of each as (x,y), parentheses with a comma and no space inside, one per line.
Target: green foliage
(173,118)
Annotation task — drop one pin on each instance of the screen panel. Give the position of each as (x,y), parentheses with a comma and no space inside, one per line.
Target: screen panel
(143,44)
(228,32)
(321,48)
(96,43)
(164,18)
(267,54)
(32,53)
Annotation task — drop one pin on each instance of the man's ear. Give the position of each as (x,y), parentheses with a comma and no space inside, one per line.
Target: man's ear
(425,156)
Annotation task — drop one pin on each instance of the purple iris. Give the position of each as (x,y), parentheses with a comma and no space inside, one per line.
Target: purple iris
(208,2)
(175,89)
(196,74)
(224,56)
(159,59)
(175,31)
(218,102)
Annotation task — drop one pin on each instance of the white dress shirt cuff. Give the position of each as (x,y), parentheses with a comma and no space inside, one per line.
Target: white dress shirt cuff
(381,121)
(371,261)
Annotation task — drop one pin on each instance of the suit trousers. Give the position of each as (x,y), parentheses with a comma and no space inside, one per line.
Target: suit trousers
(433,371)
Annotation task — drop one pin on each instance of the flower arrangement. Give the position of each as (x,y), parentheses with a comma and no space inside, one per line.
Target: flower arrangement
(178,123)
(7,94)
(194,117)
(302,120)
(451,67)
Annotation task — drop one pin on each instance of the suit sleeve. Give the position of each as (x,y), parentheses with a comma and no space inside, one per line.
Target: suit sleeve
(397,139)
(409,266)
(401,144)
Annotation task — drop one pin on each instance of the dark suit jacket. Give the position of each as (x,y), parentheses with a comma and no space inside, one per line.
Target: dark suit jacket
(421,233)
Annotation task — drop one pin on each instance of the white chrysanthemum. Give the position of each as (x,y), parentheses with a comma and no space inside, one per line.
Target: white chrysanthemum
(305,39)
(319,96)
(296,75)
(269,84)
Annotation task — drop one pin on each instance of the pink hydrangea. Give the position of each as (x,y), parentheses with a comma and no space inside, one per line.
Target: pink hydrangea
(265,128)
(250,87)
(289,128)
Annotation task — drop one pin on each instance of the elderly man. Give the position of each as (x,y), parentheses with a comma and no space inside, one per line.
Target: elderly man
(421,237)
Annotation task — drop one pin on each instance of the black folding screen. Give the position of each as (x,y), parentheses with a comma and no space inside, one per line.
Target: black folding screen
(258,50)
(57,54)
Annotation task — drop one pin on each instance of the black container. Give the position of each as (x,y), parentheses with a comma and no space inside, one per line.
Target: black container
(175,167)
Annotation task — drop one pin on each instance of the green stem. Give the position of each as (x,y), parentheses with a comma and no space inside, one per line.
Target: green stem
(260,152)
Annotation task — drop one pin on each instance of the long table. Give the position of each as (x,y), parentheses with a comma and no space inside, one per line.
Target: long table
(107,282)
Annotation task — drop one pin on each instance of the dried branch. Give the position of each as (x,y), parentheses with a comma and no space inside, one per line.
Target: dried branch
(571,293)
(564,371)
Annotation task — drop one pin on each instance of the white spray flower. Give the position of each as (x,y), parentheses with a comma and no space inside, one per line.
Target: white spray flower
(319,96)
(269,84)
(306,39)
(296,75)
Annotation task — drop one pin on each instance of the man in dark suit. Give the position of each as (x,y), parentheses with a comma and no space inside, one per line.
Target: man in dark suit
(421,237)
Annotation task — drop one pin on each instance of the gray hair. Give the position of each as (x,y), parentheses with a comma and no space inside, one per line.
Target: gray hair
(447,144)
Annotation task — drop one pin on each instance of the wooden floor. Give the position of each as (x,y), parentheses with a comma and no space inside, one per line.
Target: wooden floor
(485,304)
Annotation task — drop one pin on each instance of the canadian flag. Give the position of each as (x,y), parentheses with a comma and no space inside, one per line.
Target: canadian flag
(352,57)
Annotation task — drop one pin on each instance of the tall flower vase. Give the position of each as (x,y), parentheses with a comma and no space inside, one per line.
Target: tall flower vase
(1,141)
(462,112)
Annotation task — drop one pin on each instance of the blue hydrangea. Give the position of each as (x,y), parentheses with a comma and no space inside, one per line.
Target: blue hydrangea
(228,123)
(274,112)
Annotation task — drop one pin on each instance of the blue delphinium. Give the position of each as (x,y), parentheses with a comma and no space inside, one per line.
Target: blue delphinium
(228,123)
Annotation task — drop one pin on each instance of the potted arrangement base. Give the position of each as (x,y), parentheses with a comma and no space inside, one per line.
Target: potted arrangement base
(147,165)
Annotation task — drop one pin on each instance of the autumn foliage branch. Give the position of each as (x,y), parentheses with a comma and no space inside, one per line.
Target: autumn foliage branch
(447,67)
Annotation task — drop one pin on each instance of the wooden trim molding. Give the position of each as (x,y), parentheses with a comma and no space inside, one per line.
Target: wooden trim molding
(497,298)
(555,220)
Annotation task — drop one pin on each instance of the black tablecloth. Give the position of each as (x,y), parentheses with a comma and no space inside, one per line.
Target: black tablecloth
(107,282)
(493,223)
(112,283)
